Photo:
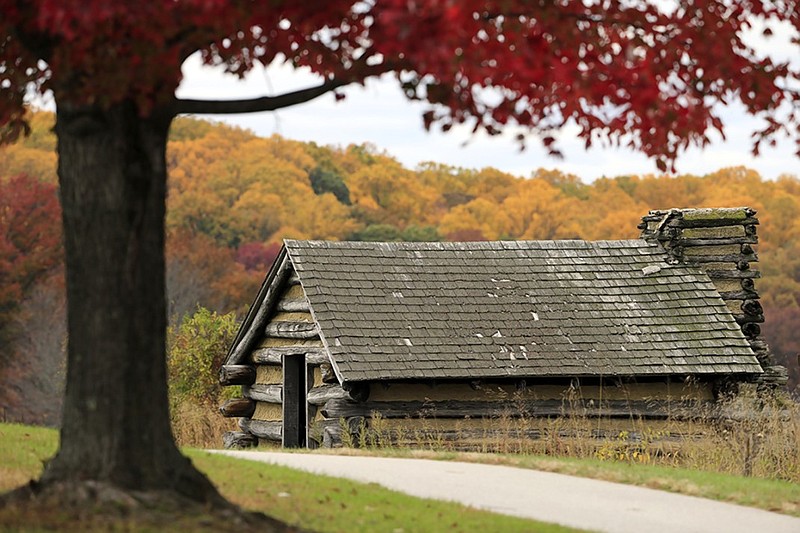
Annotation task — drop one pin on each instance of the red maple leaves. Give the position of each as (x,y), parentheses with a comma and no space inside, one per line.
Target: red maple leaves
(626,72)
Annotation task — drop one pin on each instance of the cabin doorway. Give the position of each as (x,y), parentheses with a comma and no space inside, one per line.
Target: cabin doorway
(295,401)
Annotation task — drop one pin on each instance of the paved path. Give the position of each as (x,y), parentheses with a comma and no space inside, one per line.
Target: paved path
(556,498)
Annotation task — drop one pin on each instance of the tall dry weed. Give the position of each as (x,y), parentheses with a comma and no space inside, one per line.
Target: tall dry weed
(199,426)
(752,434)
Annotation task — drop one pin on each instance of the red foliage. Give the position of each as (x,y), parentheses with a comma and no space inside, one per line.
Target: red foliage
(257,256)
(628,72)
(200,272)
(30,237)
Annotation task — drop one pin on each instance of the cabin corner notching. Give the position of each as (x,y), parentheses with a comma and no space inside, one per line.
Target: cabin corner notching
(458,334)
(281,364)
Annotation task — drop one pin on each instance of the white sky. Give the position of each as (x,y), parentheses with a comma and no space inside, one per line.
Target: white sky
(379,114)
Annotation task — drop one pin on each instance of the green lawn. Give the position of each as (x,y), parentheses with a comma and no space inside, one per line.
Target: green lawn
(770,494)
(309,501)
(23,450)
(328,504)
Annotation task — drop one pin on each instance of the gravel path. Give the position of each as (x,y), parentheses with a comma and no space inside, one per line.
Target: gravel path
(556,498)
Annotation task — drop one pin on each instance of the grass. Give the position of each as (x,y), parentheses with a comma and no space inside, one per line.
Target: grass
(768,494)
(324,503)
(306,500)
(195,425)
(703,467)
(754,434)
(23,450)
(750,457)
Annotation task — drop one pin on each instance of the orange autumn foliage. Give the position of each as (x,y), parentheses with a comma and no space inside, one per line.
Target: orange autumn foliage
(233,196)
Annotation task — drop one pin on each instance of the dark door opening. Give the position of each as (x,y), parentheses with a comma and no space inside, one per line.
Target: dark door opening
(295,408)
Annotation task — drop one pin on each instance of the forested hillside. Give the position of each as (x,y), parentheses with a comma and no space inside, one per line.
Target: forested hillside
(233,197)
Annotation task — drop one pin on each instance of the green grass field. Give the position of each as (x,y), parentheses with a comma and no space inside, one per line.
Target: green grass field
(309,501)
(323,503)
(769,494)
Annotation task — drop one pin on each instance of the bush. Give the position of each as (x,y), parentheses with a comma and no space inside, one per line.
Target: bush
(197,349)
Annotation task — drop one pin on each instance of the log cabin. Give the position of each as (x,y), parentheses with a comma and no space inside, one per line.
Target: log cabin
(456,335)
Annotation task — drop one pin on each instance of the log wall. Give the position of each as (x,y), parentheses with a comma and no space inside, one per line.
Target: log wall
(521,390)
(464,415)
(290,330)
(721,242)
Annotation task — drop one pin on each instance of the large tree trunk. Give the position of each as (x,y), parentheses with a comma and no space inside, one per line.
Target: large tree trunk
(116,429)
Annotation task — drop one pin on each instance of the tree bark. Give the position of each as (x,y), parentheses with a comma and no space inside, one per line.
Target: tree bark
(116,428)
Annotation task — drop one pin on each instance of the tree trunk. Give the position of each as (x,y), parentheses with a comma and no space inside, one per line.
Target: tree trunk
(116,427)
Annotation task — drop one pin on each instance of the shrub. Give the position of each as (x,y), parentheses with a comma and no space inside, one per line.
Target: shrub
(197,349)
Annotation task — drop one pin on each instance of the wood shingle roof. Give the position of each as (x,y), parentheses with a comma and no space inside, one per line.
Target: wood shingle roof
(515,309)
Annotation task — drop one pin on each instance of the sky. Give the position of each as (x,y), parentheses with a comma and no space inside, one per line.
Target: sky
(379,114)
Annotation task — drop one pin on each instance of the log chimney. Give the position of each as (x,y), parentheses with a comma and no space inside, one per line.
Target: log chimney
(722,242)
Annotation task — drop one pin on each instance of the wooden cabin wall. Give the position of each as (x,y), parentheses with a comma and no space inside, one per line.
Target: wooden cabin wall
(466,413)
(289,331)
(462,412)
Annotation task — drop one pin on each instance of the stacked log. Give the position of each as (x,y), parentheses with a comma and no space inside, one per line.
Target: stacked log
(239,439)
(720,241)
(288,330)
(243,375)
(460,410)
(237,375)
(534,408)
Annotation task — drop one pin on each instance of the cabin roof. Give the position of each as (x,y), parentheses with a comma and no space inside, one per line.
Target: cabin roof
(474,310)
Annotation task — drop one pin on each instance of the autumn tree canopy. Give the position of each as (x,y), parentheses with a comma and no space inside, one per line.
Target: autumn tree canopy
(207,163)
(644,73)
(628,72)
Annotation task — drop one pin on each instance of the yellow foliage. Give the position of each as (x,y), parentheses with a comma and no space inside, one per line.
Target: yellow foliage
(235,188)
(481,214)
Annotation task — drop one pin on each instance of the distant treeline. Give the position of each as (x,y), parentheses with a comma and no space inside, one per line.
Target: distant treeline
(233,196)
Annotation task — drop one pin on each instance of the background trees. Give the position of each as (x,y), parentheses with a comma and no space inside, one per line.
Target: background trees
(32,313)
(197,348)
(221,273)
(30,237)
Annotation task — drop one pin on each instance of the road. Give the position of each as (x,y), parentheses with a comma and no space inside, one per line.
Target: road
(555,498)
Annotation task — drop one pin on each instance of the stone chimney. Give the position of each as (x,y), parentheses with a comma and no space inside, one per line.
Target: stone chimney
(720,241)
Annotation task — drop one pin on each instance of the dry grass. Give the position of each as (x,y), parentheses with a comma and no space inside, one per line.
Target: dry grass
(199,426)
(304,500)
(757,436)
(754,435)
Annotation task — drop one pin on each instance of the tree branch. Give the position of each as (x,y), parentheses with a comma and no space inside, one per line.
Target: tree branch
(254,105)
